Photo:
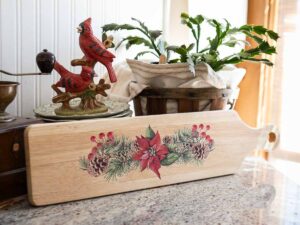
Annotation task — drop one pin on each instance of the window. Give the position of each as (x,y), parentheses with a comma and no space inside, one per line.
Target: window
(285,100)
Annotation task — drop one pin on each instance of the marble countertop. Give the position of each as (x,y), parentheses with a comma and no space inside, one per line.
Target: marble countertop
(258,194)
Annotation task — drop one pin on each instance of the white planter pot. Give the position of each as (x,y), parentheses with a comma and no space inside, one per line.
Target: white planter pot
(178,75)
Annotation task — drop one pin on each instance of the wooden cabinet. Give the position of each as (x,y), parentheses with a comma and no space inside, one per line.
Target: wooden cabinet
(12,157)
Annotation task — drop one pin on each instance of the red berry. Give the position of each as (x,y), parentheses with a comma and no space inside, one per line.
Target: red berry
(194,128)
(110,135)
(203,134)
(94,150)
(93,139)
(99,145)
(101,135)
(207,137)
(211,141)
(90,156)
(201,126)
(207,127)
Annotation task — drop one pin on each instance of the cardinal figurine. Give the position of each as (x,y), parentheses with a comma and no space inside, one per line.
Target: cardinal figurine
(72,82)
(78,86)
(94,50)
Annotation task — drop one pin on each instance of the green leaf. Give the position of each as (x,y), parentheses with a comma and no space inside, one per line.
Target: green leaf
(184,15)
(173,61)
(246,28)
(199,19)
(232,60)
(143,53)
(254,37)
(233,31)
(170,159)
(134,40)
(210,57)
(265,61)
(224,33)
(115,168)
(149,133)
(266,48)
(104,36)
(230,43)
(137,41)
(115,27)
(191,46)
(109,27)
(215,43)
(273,35)
(259,29)
(142,25)
(190,25)
(155,33)
(179,50)
(83,163)
(194,21)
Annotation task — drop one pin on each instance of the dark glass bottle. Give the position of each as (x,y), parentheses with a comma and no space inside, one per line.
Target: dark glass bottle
(45,61)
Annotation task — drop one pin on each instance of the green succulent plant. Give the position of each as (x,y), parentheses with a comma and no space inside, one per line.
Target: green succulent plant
(225,35)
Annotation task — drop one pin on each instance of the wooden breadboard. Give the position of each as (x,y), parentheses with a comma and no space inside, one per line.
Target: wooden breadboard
(84,159)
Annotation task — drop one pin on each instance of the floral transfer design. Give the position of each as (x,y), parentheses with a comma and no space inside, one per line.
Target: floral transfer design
(151,153)
(114,156)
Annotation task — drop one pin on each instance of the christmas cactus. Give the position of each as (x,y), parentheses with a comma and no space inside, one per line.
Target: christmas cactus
(225,35)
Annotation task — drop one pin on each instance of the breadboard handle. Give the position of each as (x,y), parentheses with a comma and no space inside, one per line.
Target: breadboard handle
(269,138)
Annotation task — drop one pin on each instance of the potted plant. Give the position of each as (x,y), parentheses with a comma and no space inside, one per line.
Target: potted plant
(196,78)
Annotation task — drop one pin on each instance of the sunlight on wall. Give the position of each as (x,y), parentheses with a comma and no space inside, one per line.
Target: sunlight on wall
(290,94)
(286,88)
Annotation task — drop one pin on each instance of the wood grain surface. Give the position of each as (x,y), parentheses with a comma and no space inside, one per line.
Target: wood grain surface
(53,152)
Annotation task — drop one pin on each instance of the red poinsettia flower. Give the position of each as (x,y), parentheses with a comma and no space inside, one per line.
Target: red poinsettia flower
(150,153)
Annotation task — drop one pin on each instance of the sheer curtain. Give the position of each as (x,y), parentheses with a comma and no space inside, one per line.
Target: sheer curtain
(285,110)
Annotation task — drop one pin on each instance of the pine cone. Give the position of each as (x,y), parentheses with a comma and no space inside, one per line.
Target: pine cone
(167,140)
(188,146)
(200,150)
(123,155)
(183,147)
(125,151)
(98,165)
(136,145)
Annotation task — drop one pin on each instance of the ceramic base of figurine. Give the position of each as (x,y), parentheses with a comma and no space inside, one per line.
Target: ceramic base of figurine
(78,110)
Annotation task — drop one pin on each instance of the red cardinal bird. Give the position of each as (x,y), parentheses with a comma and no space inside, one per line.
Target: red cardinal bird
(72,82)
(94,50)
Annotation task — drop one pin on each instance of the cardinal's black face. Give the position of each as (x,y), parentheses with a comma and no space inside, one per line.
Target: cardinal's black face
(80,29)
(85,28)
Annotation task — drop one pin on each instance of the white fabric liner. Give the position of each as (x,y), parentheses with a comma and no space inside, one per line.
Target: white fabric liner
(139,75)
